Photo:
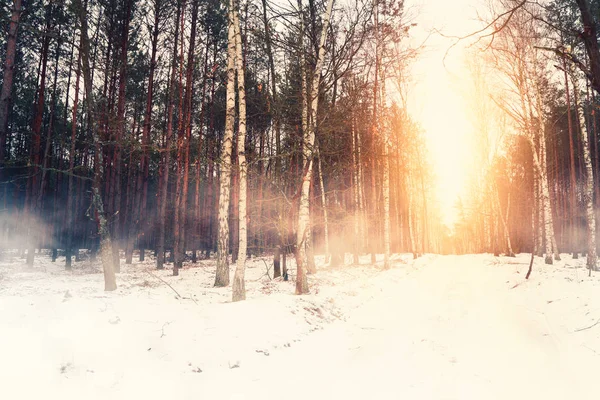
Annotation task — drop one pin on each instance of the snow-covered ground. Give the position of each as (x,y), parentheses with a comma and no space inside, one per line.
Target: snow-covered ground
(440,327)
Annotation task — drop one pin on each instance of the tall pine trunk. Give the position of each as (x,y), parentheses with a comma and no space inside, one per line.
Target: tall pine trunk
(166,161)
(110,282)
(71,184)
(147,124)
(36,139)
(7,80)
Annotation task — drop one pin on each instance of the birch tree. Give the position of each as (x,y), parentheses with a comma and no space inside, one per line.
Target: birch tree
(222,274)
(239,288)
(307,153)
(588,194)
(518,58)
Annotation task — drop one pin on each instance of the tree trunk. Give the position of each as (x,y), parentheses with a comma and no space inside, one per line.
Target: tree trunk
(71,187)
(120,132)
(222,275)
(165,165)
(7,81)
(355,184)
(239,288)
(592,258)
(301,247)
(105,240)
(504,218)
(144,167)
(589,36)
(324,203)
(573,188)
(307,150)
(36,128)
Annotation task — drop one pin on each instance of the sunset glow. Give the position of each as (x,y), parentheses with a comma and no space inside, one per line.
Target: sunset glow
(438,102)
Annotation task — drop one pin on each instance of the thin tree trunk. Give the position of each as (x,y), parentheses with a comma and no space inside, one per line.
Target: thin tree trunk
(504,218)
(120,131)
(374,133)
(413,247)
(179,171)
(239,288)
(573,188)
(355,178)
(592,258)
(324,203)
(144,167)
(71,188)
(386,188)
(49,133)
(165,168)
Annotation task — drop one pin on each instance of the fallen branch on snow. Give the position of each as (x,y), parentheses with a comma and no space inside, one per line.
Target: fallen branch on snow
(172,288)
(588,327)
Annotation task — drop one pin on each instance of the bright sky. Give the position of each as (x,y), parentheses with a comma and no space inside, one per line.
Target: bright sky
(436,100)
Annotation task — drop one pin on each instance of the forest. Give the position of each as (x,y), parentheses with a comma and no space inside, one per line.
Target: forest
(324,199)
(192,129)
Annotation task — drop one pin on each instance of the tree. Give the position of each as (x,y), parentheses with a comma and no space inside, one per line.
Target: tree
(222,275)
(239,289)
(7,81)
(105,239)
(307,152)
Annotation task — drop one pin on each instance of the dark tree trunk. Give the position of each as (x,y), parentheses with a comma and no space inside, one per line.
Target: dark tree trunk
(146,132)
(165,165)
(7,81)
(36,129)
(105,241)
(70,194)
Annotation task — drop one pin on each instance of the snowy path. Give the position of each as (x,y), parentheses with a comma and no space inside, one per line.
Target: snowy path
(445,327)
(443,331)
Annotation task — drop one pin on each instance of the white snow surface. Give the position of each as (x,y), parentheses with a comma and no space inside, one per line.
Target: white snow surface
(440,327)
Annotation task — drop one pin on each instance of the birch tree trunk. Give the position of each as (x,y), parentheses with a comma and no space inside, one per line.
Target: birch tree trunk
(544,195)
(411,232)
(222,275)
(547,205)
(588,194)
(307,150)
(374,128)
(355,181)
(386,182)
(386,203)
(301,248)
(324,203)
(504,218)
(239,288)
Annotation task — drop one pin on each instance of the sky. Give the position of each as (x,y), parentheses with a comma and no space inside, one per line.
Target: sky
(436,100)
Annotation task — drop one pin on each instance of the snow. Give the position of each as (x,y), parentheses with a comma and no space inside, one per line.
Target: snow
(440,327)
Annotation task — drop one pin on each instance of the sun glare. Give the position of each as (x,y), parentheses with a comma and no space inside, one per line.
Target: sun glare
(437,100)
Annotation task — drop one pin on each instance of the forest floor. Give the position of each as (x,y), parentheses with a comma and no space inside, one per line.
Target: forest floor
(440,327)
